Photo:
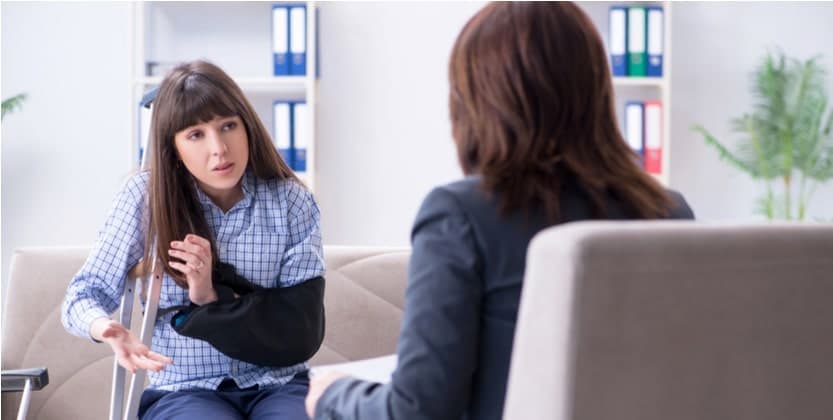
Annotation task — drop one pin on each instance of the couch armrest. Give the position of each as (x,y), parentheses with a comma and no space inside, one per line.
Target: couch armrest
(15,380)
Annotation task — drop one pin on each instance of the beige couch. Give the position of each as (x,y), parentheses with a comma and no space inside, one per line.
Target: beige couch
(364,300)
(675,320)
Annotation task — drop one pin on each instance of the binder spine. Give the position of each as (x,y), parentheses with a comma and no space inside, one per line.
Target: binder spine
(618,16)
(280,40)
(637,41)
(283,130)
(299,136)
(298,40)
(634,127)
(653,137)
(655,41)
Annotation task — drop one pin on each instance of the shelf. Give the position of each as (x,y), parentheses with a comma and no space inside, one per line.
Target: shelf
(639,89)
(639,81)
(236,36)
(261,84)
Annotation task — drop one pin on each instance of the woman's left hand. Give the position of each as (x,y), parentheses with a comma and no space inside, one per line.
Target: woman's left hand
(195,263)
(317,385)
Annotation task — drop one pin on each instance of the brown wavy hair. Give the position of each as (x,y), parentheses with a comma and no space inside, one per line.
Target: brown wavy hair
(532,109)
(193,93)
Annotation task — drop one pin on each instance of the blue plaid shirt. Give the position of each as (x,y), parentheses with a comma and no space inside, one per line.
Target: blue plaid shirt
(273,238)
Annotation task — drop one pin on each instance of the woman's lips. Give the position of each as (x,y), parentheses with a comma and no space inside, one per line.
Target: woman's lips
(224,168)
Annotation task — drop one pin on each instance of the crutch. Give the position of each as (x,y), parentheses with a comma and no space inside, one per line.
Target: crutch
(137,382)
(154,287)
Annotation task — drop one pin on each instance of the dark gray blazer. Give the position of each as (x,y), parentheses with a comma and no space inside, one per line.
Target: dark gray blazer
(465,277)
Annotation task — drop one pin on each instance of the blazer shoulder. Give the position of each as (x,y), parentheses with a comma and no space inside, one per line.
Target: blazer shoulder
(467,191)
(679,208)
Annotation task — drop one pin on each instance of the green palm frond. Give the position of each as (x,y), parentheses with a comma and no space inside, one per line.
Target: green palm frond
(779,202)
(12,104)
(762,146)
(814,142)
(828,126)
(806,111)
(822,165)
(765,206)
(742,163)
(768,90)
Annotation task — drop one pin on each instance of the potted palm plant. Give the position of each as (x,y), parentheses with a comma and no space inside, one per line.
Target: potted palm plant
(787,139)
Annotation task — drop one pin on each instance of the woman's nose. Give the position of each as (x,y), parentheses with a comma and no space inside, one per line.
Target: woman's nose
(218,146)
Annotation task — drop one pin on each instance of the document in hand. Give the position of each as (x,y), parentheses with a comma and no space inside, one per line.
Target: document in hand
(377,369)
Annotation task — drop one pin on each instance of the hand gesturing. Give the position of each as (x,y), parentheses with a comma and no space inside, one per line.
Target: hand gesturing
(130,352)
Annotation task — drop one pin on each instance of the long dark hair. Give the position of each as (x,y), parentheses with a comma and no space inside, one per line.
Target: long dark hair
(190,94)
(532,108)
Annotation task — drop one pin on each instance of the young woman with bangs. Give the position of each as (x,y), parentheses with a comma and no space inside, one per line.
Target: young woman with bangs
(238,237)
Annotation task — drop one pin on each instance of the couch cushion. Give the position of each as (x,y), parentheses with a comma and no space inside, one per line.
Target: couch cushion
(364,299)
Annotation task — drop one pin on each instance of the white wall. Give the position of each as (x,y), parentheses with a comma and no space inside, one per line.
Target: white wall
(385,136)
(384,131)
(65,154)
(715,51)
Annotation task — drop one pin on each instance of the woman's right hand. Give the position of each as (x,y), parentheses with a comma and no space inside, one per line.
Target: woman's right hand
(129,350)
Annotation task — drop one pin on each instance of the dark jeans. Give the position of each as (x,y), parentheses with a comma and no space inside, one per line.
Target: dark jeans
(228,402)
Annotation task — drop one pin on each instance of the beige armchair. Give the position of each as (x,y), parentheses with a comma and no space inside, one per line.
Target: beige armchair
(675,320)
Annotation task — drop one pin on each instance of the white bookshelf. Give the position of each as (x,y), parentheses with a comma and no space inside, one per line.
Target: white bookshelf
(658,82)
(642,88)
(277,84)
(237,36)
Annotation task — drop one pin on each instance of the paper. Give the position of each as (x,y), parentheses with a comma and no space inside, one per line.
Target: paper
(378,369)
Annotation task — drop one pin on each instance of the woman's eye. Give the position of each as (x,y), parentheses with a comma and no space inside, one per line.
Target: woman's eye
(195,135)
(229,126)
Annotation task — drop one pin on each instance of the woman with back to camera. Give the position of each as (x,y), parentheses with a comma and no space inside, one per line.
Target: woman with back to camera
(239,240)
(532,113)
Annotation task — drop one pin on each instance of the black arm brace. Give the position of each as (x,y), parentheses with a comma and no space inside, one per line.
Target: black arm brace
(264,326)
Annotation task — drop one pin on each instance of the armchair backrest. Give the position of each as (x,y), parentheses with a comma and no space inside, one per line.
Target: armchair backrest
(675,320)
